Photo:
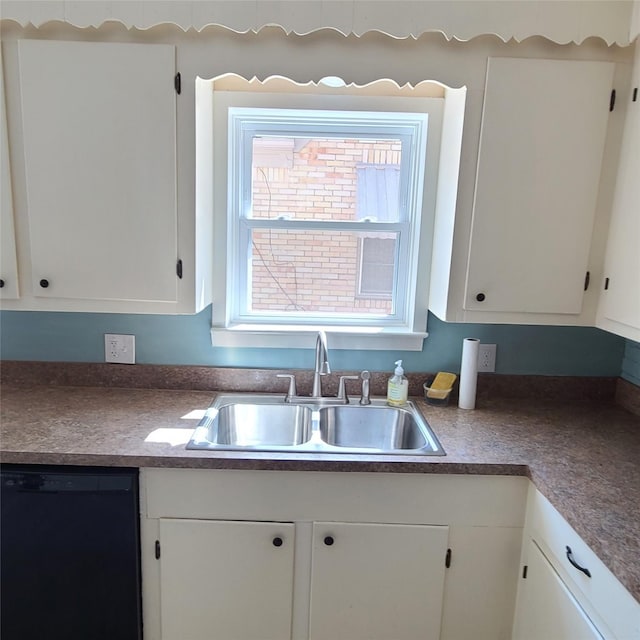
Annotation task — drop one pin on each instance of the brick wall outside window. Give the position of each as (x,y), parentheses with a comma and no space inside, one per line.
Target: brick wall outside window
(313,271)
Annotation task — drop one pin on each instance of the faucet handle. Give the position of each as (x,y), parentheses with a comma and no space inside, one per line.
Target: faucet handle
(365,397)
(292,392)
(342,388)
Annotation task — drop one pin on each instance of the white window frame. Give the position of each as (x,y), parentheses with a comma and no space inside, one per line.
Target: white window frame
(212,157)
(410,129)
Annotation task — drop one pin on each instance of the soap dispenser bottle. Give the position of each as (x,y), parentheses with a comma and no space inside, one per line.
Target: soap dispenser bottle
(398,387)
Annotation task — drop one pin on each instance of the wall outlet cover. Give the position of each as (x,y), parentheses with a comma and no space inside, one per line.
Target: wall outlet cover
(119,348)
(487,357)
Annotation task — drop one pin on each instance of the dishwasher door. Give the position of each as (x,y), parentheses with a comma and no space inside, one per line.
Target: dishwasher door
(69,553)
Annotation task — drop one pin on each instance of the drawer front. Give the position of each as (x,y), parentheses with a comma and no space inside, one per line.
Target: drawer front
(613,609)
(408,498)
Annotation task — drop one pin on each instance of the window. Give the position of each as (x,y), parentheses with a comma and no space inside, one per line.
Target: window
(324,215)
(300,220)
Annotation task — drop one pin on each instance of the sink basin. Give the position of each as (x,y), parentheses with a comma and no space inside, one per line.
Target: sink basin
(255,425)
(261,422)
(369,427)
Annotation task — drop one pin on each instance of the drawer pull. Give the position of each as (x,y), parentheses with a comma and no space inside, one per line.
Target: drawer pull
(575,564)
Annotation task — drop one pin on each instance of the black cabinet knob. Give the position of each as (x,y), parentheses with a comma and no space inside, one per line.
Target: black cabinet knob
(44,283)
(328,540)
(277,542)
(480,297)
(1,283)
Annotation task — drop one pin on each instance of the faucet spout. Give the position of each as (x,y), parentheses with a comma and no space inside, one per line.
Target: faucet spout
(322,367)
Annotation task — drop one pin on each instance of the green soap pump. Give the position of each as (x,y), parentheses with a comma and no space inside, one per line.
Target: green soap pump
(398,387)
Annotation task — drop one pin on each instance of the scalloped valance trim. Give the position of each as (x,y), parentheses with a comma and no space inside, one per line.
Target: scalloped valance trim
(560,21)
(281,84)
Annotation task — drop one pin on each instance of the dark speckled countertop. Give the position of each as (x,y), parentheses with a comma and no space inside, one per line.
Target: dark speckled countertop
(582,455)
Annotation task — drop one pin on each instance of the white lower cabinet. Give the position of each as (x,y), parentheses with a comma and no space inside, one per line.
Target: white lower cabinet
(565,591)
(278,555)
(238,555)
(227,580)
(376,581)
(547,608)
(234,580)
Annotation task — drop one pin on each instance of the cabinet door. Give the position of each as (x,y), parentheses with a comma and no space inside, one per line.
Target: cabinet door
(620,301)
(377,581)
(546,608)
(223,580)
(481,583)
(8,262)
(542,140)
(99,123)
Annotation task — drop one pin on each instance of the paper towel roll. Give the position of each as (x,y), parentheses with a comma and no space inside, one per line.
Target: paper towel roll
(469,373)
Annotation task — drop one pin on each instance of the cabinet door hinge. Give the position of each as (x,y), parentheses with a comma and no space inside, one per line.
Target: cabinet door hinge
(157,549)
(587,279)
(612,100)
(524,571)
(447,559)
(179,269)
(177,83)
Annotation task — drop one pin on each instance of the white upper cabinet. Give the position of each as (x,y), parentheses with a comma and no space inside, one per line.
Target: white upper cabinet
(542,140)
(619,309)
(543,134)
(8,262)
(104,214)
(99,127)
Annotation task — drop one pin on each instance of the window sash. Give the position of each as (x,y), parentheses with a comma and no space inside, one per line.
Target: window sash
(243,313)
(244,124)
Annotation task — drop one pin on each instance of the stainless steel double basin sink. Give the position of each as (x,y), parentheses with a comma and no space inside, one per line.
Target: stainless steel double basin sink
(253,422)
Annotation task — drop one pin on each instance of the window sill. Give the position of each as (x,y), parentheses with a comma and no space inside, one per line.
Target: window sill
(303,337)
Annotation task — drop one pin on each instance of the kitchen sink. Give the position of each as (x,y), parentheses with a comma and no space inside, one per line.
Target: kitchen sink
(251,425)
(264,422)
(385,428)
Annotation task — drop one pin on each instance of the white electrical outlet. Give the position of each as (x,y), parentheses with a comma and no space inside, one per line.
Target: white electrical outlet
(487,357)
(119,348)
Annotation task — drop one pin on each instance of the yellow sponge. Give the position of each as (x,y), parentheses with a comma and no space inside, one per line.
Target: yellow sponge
(441,386)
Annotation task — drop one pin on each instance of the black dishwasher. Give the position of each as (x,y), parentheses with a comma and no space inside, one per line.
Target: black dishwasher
(69,553)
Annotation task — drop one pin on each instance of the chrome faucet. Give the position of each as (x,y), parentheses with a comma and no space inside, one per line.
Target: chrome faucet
(322,367)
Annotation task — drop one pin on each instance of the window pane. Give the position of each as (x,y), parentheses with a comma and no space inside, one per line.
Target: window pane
(316,272)
(378,195)
(339,179)
(377,266)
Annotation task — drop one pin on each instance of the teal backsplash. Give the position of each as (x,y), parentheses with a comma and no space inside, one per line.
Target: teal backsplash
(631,362)
(185,340)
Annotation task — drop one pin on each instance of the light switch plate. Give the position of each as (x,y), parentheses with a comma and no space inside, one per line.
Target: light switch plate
(119,348)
